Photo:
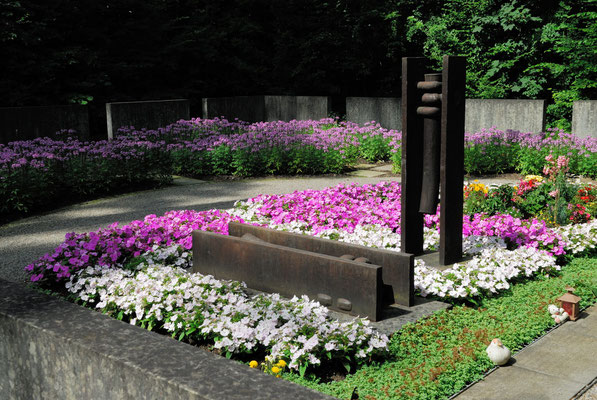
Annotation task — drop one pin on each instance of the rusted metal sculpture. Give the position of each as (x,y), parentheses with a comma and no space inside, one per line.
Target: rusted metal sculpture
(433,153)
(349,278)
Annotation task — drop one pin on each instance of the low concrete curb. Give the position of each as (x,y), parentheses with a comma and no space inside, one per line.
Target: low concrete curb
(53,349)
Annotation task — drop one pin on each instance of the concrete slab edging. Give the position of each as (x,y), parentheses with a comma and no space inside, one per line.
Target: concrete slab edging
(50,348)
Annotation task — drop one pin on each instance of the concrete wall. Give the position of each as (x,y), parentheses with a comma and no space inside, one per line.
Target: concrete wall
(386,111)
(312,107)
(245,108)
(267,108)
(53,349)
(145,114)
(522,115)
(584,118)
(25,123)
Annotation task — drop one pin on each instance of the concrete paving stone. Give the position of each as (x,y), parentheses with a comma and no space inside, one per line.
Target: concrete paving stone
(516,383)
(564,353)
(588,394)
(384,168)
(364,166)
(366,173)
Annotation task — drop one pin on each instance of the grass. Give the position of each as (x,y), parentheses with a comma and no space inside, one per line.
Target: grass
(436,357)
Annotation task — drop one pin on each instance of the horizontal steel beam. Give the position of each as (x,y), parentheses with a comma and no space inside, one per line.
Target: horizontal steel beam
(398,268)
(345,285)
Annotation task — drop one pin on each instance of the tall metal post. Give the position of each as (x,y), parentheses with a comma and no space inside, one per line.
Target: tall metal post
(411,221)
(452,158)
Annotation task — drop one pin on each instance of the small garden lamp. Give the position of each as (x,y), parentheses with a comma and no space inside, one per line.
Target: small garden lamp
(569,303)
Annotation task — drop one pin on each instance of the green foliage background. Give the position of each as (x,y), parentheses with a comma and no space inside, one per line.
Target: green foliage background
(93,51)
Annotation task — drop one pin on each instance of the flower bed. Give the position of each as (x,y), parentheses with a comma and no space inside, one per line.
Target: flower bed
(42,172)
(136,273)
(157,295)
(367,215)
(495,151)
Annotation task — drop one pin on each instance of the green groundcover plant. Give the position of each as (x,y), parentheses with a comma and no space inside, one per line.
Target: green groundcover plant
(436,357)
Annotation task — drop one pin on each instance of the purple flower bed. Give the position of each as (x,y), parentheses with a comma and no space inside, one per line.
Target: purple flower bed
(116,245)
(41,172)
(496,151)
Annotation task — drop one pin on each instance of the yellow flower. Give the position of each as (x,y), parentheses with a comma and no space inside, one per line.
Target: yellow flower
(277,376)
(253,364)
(536,178)
(281,363)
(275,370)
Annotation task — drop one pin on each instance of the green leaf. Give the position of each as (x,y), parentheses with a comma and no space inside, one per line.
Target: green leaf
(303,369)
(346,365)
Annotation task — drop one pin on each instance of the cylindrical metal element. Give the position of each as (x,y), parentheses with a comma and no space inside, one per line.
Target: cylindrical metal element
(431,155)
(430,86)
(429,112)
(432,98)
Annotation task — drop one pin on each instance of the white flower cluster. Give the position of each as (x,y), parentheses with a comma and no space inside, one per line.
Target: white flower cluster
(579,237)
(182,303)
(475,244)
(490,271)
(175,256)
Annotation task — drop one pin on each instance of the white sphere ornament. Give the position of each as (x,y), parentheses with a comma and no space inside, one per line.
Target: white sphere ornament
(497,352)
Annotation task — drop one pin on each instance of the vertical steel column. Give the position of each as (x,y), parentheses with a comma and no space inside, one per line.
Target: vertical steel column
(452,158)
(411,221)
(431,113)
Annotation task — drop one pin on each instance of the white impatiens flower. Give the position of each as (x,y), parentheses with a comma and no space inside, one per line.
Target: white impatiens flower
(174,299)
(490,270)
(579,237)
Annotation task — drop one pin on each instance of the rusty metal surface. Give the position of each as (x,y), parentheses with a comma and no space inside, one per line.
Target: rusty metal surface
(411,221)
(431,155)
(398,268)
(428,86)
(432,98)
(349,286)
(452,158)
(429,112)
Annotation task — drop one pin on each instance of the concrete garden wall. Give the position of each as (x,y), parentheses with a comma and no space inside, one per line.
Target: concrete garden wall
(25,123)
(584,118)
(145,114)
(267,108)
(523,115)
(520,115)
(387,111)
(53,349)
